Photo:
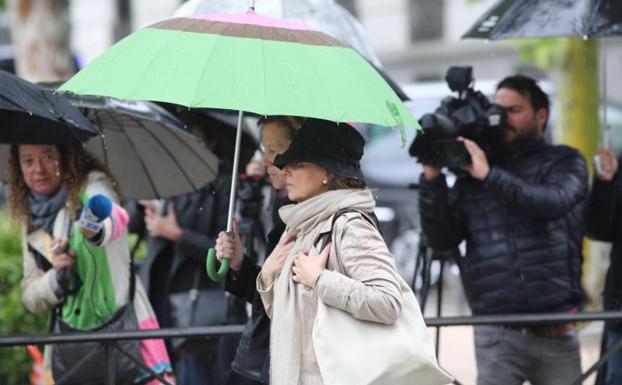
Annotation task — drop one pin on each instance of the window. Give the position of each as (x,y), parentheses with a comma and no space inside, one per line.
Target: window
(426,19)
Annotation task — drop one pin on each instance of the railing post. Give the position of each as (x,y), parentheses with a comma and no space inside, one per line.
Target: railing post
(110,369)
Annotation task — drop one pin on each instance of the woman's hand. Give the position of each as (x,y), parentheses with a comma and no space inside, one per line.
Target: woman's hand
(308,268)
(61,256)
(274,263)
(88,234)
(230,247)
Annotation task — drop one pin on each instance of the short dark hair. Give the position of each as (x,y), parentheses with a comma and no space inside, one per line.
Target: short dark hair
(292,123)
(528,88)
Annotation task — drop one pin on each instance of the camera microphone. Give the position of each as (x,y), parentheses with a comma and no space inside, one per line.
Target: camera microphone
(96,210)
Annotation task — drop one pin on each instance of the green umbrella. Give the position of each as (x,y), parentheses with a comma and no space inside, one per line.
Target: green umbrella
(248,63)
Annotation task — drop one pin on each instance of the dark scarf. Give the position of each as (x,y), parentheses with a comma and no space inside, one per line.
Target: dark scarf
(43,208)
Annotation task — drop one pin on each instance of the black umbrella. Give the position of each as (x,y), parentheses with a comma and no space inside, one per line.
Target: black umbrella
(147,149)
(510,19)
(398,90)
(32,114)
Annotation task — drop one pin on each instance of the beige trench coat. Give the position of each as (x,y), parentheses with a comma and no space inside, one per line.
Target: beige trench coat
(370,290)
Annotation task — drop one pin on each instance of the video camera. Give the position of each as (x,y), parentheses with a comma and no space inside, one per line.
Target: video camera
(471,116)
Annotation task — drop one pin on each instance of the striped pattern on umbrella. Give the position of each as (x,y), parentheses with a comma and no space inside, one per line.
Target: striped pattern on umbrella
(268,31)
(244,62)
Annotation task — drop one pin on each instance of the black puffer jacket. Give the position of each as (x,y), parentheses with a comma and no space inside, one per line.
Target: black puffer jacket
(523,226)
(605,224)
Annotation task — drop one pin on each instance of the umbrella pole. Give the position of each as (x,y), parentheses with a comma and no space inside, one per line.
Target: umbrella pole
(605,124)
(210,264)
(234,173)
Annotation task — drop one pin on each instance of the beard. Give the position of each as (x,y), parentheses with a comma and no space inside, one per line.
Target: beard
(523,141)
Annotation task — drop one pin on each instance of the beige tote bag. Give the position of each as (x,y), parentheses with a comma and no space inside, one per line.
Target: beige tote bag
(351,351)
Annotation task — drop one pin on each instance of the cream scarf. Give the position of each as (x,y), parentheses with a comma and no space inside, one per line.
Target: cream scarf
(303,219)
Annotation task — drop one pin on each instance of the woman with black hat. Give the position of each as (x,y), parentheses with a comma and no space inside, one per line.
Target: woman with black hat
(338,256)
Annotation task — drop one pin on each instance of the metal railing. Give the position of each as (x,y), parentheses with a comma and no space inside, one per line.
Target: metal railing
(109,340)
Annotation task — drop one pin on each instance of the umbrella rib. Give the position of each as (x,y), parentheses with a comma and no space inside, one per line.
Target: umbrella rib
(102,138)
(155,137)
(205,163)
(140,161)
(263,68)
(192,102)
(332,102)
(146,67)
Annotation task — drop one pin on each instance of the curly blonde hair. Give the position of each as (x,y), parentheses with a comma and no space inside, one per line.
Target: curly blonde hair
(75,165)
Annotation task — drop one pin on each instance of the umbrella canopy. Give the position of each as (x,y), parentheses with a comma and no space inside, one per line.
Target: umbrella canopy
(322,15)
(510,19)
(35,115)
(145,147)
(244,62)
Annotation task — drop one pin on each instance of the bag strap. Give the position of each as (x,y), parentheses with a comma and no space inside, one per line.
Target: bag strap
(327,237)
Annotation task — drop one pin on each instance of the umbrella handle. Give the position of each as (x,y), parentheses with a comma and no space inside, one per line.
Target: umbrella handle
(210,266)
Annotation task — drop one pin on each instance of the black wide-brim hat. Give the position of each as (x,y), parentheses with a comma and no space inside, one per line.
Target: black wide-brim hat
(337,147)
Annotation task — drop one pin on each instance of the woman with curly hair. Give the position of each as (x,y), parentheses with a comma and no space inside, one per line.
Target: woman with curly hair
(81,272)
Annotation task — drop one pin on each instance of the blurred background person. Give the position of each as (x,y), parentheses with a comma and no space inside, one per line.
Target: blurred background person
(605,224)
(251,359)
(89,280)
(179,232)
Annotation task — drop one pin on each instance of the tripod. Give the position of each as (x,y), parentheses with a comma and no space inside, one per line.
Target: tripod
(423,272)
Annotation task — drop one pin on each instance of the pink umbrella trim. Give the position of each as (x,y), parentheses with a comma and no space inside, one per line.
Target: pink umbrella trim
(252,19)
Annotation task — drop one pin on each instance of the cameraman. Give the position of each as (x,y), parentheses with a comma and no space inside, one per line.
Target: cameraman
(522,221)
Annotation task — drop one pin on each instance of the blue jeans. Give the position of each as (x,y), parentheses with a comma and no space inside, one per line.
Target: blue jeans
(614,365)
(509,357)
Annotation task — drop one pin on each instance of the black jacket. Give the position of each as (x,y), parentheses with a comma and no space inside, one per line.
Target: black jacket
(171,267)
(523,227)
(251,356)
(604,220)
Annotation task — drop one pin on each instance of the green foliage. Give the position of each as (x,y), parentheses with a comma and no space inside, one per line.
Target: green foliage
(543,53)
(15,364)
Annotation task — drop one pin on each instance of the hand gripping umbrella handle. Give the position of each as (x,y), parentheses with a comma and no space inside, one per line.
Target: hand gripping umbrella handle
(210,266)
